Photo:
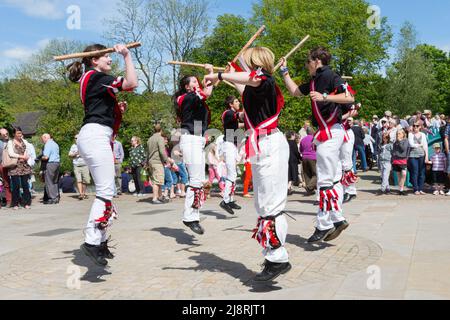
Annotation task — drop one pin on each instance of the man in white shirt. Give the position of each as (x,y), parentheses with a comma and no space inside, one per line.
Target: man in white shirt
(81,171)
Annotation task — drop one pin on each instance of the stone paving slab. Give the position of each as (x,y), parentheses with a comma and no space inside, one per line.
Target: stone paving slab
(157,258)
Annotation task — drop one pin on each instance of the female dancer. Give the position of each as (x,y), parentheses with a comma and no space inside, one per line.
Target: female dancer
(101,123)
(269,154)
(195,117)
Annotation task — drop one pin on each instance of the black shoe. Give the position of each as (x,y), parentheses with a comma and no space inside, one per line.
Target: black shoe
(227,207)
(50,202)
(272,270)
(105,250)
(195,227)
(233,205)
(290,192)
(95,253)
(340,226)
(349,197)
(320,235)
(316,203)
(402,193)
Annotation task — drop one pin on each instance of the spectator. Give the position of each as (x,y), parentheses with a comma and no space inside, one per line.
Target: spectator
(214,167)
(359,146)
(126,177)
(400,159)
(309,161)
(392,130)
(119,155)
(385,157)
(31,151)
(369,145)
(428,118)
(294,161)
(137,162)
(439,168)
(182,175)
(67,183)
(19,174)
(4,138)
(418,156)
(447,148)
(247,172)
(81,171)
(374,133)
(157,159)
(303,130)
(51,155)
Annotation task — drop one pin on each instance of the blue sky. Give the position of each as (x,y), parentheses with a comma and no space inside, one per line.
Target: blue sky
(27,25)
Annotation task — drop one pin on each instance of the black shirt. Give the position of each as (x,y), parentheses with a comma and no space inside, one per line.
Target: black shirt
(326,81)
(194,109)
(260,103)
(67,184)
(294,157)
(230,121)
(100,99)
(359,135)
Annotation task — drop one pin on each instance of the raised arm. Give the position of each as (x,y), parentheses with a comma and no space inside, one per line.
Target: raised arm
(290,84)
(131,79)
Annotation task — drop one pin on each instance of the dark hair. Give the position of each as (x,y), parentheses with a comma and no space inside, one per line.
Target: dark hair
(181,90)
(229,100)
(320,53)
(75,69)
(17,129)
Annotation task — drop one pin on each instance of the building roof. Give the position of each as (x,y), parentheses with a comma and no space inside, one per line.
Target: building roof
(29,122)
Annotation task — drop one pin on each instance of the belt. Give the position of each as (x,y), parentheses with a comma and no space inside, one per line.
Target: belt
(329,188)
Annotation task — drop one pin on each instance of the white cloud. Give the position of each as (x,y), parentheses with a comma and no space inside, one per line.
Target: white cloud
(47,9)
(22,53)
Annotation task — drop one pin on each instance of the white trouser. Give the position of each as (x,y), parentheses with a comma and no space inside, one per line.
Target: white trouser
(329,171)
(270,183)
(94,146)
(385,168)
(347,160)
(230,155)
(193,149)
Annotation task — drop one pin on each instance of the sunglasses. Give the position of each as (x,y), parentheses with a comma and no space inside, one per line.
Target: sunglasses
(416,126)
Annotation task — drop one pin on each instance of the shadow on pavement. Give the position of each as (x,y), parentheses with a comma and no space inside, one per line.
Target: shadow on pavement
(301,242)
(94,273)
(219,216)
(180,236)
(212,263)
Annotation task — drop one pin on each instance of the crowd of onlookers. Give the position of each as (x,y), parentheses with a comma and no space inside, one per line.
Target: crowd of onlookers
(401,149)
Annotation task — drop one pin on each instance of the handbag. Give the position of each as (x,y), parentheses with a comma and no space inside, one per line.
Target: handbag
(131,186)
(7,161)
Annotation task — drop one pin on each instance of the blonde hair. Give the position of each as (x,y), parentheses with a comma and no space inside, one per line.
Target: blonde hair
(138,140)
(260,57)
(401,131)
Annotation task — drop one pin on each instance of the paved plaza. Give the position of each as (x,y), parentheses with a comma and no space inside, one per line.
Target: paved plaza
(395,248)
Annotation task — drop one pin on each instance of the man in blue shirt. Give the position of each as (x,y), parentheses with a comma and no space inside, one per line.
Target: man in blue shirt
(51,154)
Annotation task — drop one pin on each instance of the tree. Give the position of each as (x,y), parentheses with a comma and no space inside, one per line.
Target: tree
(411,83)
(440,62)
(5,117)
(133,23)
(180,26)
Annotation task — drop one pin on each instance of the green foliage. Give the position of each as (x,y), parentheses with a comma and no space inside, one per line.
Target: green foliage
(411,81)
(5,117)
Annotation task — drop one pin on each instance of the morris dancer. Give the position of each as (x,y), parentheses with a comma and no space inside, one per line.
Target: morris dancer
(230,120)
(101,123)
(269,153)
(327,91)
(195,117)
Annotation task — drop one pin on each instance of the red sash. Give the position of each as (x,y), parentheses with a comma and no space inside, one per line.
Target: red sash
(325,125)
(252,143)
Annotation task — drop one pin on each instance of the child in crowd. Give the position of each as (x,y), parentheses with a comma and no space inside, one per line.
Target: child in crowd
(439,161)
(400,154)
(385,156)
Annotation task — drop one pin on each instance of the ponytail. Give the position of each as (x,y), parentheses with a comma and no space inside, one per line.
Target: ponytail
(181,90)
(76,69)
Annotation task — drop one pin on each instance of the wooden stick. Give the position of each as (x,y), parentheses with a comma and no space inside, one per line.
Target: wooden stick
(191,64)
(94,53)
(347,78)
(229,83)
(298,46)
(250,42)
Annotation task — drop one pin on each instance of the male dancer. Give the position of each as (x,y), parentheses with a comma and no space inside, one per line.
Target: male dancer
(327,91)
(230,120)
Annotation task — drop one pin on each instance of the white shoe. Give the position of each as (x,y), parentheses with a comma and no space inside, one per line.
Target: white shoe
(135,194)
(140,195)
(448,193)
(436,193)
(442,192)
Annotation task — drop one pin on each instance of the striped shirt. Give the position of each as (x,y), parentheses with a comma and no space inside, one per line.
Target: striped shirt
(439,162)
